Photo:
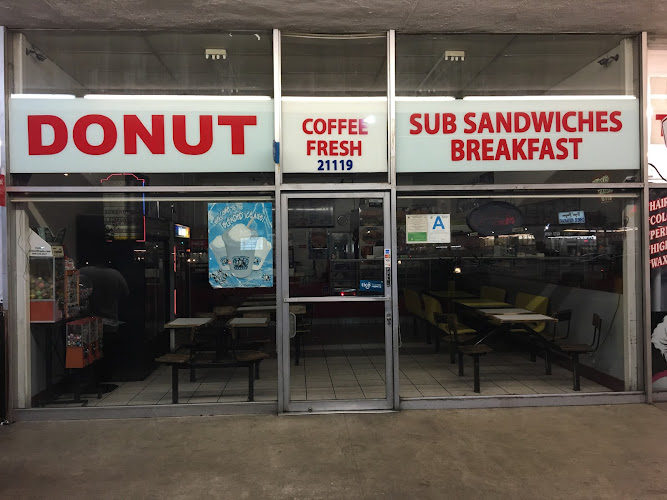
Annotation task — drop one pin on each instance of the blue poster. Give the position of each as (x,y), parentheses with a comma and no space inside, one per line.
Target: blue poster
(240,240)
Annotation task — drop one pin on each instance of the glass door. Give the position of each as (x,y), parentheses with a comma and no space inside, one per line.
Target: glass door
(337,315)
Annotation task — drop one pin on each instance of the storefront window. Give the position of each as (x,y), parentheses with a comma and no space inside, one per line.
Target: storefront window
(657,172)
(336,246)
(507,109)
(334,109)
(657,111)
(657,262)
(174,109)
(119,269)
(144,284)
(338,352)
(569,257)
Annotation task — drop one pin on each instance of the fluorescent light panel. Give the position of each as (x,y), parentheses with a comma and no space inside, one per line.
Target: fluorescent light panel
(153,97)
(548,97)
(426,98)
(334,99)
(43,96)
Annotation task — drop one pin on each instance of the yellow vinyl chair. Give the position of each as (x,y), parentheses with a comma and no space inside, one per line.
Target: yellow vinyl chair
(443,331)
(538,304)
(413,304)
(475,351)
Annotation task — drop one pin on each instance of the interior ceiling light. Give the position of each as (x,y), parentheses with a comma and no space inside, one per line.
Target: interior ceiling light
(215,53)
(455,55)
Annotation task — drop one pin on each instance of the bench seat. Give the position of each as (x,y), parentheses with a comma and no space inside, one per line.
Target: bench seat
(178,361)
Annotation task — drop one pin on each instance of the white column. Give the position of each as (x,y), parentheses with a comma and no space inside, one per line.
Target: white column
(19,325)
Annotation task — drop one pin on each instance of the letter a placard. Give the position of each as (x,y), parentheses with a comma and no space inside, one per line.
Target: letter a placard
(439,229)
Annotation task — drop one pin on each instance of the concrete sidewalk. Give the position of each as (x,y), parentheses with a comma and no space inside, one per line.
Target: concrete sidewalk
(567,452)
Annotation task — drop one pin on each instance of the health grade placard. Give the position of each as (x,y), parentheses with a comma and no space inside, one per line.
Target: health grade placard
(327,135)
(429,228)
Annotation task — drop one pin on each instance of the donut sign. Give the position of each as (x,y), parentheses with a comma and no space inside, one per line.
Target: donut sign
(169,135)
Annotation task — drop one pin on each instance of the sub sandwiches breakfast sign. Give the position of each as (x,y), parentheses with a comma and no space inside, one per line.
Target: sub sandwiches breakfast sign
(170,135)
(516,135)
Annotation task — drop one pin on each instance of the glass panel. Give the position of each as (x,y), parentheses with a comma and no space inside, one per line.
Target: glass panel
(316,67)
(545,177)
(171,73)
(517,65)
(231,179)
(657,111)
(89,62)
(336,247)
(546,256)
(525,73)
(658,259)
(136,263)
(352,65)
(338,351)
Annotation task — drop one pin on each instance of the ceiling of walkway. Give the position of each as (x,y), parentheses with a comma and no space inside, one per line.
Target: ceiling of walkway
(500,16)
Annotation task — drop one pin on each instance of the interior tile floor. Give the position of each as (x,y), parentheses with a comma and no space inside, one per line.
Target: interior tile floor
(350,371)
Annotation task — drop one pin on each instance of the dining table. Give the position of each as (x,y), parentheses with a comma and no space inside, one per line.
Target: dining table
(255,308)
(450,294)
(504,322)
(482,303)
(506,310)
(191,324)
(293,308)
(224,311)
(235,323)
(298,309)
(523,319)
(523,323)
(261,298)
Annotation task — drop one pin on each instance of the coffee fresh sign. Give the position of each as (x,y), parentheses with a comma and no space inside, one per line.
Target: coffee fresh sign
(549,134)
(154,135)
(329,135)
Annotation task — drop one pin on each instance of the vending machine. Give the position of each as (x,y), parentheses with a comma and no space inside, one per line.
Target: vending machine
(46,281)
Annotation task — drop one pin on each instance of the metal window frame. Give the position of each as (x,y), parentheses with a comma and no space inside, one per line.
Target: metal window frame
(645,242)
(7,377)
(310,406)
(277,249)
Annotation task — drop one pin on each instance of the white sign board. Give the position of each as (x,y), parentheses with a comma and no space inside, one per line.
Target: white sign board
(572,217)
(166,135)
(38,247)
(334,135)
(517,135)
(429,228)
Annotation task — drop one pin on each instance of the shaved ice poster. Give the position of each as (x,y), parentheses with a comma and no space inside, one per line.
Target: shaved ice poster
(240,244)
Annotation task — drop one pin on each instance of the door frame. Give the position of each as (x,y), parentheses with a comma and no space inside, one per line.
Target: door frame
(388,402)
